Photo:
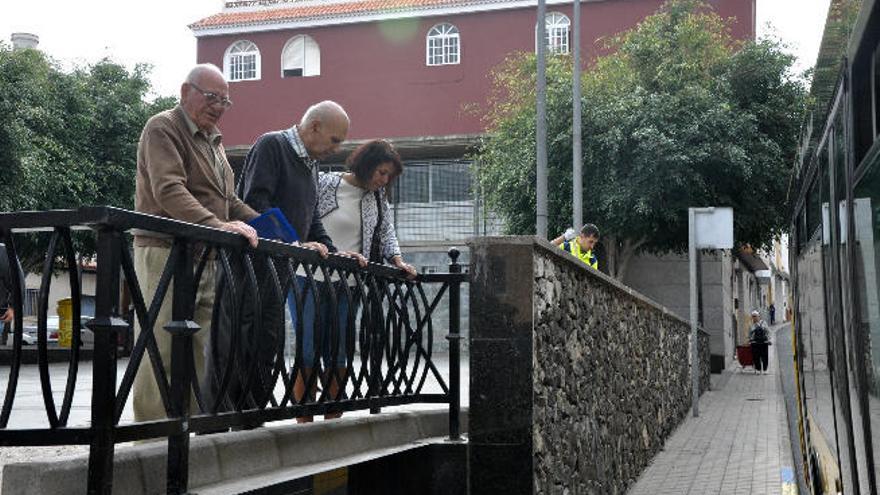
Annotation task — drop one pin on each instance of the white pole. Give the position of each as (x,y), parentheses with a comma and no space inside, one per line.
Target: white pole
(695,358)
(576,154)
(541,131)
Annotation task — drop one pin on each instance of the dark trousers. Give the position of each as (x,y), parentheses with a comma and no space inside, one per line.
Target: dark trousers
(759,356)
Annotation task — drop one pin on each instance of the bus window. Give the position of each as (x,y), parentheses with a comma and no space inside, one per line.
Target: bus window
(866,217)
(812,315)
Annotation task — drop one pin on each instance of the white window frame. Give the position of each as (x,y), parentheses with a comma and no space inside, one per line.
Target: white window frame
(443,45)
(235,58)
(557,33)
(310,56)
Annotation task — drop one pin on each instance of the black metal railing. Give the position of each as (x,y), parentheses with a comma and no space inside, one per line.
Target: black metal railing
(387,331)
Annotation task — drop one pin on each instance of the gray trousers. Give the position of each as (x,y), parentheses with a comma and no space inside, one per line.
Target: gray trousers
(149,262)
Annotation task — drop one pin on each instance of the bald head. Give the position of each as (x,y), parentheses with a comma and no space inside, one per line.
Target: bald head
(201,72)
(204,96)
(326,111)
(323,128)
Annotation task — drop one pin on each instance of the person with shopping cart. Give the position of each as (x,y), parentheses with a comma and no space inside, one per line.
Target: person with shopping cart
(759,339)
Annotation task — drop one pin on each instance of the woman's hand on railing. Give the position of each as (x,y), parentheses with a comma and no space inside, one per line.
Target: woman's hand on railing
(403,265)
(362,261)
(242,228)
(317,246)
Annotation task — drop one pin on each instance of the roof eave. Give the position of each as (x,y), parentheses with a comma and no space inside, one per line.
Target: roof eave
(362,17)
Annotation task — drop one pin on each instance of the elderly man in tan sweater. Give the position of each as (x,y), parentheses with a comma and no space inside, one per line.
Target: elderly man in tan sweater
(182,173)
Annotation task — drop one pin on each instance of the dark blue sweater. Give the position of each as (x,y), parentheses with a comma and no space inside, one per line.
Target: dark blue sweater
(275,176)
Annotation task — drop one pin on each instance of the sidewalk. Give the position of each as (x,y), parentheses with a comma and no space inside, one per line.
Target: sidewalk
(738,445)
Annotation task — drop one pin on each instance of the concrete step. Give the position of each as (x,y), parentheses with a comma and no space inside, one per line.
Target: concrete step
(241,461)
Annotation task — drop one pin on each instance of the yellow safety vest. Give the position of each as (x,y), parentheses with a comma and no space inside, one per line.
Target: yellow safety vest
(574,248)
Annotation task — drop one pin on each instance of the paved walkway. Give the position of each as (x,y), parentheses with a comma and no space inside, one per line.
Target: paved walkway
(738,445)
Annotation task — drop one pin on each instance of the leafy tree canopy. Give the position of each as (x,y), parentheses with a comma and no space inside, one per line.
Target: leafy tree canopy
(69,139)
(677,115)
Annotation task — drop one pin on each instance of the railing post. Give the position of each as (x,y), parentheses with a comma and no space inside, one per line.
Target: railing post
(454,339)
(376,327)
(105,326)
(182,328)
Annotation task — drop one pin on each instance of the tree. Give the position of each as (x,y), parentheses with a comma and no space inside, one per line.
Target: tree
(69,139)
(678,115)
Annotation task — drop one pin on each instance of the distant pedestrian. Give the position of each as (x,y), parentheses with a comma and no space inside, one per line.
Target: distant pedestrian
(581,244)
(759,338)
(7,313)
(772,310)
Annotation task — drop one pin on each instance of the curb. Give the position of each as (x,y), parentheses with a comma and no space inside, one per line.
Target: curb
(230,457)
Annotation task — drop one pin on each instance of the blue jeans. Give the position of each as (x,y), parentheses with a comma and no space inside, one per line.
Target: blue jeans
(309,328)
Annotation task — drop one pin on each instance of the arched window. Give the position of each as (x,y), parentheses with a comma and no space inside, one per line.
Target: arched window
(443,45)
(242,61)
(556,34)
(301,57)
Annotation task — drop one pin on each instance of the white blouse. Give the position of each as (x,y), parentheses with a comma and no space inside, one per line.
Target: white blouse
(343,224)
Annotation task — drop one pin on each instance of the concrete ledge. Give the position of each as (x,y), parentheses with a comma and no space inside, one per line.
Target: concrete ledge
(219,463)
(547,247)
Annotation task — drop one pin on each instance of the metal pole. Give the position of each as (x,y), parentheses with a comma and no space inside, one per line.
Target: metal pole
(182,328)
(105,326)
(692,261)
(576,154)
(541,131)
(454,338)
(476,215)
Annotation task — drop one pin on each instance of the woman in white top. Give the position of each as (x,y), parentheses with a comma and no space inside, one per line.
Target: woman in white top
(354,210)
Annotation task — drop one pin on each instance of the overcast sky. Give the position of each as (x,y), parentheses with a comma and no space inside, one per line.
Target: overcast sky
(155,31)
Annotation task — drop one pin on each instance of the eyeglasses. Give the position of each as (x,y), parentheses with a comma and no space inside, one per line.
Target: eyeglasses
(213,98)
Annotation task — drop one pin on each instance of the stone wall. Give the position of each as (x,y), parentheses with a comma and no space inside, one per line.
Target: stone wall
(665,279)
(576,380)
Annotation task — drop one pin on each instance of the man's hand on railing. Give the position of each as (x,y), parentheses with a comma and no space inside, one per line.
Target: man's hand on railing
(317,246)
(241,228)
(403,265)
(358,256)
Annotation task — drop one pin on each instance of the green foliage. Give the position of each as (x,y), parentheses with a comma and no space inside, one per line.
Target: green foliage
(678,115)
(69,139)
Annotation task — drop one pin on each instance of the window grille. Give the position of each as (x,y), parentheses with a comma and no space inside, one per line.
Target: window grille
(30,301)
(443,45)
(434,201)
(556,34)
(242,61)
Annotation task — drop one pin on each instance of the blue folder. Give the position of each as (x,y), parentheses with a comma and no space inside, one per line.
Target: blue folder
(274,225)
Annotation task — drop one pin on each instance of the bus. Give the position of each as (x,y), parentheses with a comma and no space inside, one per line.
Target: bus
(835,263)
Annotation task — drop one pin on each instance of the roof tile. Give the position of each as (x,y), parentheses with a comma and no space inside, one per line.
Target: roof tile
(311,12)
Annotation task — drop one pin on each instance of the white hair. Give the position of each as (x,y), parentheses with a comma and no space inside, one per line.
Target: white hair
(199,71)
(323,111)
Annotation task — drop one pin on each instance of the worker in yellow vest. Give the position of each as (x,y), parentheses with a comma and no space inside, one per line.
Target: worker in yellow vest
(580,245)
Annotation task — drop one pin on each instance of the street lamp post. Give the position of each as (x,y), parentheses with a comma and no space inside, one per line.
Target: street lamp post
(576,155)
(541,124)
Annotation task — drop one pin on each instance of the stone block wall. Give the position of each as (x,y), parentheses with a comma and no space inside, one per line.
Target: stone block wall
(665,279)
(576,380)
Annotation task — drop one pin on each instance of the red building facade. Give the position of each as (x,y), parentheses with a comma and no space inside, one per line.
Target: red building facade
(373,58)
